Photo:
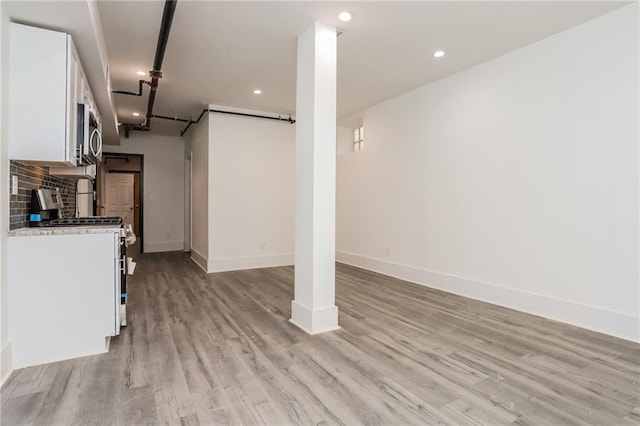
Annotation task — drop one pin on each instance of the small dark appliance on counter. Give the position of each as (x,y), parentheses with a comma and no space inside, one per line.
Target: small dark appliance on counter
(45,206)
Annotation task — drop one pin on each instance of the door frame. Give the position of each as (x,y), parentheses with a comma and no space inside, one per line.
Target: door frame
(141,180)
(187,203)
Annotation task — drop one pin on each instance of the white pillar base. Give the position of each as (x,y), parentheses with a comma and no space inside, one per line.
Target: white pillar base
(314,321)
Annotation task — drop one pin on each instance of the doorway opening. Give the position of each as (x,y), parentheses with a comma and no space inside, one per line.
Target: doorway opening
(120,192)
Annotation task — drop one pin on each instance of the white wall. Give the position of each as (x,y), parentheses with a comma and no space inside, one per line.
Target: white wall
(344,140)
(5,344)
(252,180)
(163,188)
(198,144)
(514,182)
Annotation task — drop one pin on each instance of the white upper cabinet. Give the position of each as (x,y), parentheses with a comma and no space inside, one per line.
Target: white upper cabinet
(46,85)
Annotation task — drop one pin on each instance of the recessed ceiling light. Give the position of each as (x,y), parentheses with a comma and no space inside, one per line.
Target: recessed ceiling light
(141,73)
(438,54)
(345,16)
(257,92)
(136,114)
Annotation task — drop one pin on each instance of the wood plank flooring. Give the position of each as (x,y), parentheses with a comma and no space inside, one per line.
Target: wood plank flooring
(219,349)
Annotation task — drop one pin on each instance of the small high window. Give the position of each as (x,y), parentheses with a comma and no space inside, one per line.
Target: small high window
(358,139)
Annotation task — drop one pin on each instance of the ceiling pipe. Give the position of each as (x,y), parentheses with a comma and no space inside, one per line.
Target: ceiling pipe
(243,114)
(156,72)
(124,92)
(128,126)
(164,117)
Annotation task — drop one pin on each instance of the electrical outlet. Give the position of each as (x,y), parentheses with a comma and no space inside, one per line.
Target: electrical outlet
(263,245)
(387,251)
(14,185)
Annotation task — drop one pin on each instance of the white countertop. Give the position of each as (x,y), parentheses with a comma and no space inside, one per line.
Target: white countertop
(64,230)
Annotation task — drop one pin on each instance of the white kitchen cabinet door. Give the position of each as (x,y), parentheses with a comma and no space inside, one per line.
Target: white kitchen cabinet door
(74,73)
(43,93)
(63,296)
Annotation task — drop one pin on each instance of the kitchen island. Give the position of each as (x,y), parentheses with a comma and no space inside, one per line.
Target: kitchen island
(64,284)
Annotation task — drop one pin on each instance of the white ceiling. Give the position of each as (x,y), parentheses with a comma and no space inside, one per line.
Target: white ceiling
(218,52)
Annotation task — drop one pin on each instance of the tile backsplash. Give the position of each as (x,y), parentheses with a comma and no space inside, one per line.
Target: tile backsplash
(34,177)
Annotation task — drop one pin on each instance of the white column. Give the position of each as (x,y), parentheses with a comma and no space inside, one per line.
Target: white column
(313,308)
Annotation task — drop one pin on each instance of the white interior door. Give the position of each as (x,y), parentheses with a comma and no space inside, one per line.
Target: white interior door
(119,196)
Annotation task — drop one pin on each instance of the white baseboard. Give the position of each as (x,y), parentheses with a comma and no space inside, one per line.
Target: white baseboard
(618,324)
(199,260)
(6,363)
(253,262)
(150,247)
(28,351)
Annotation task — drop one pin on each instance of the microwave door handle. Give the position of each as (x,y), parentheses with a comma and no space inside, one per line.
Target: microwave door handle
(98,138)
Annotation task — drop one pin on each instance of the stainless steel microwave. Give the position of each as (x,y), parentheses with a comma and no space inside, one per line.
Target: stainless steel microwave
(89,137)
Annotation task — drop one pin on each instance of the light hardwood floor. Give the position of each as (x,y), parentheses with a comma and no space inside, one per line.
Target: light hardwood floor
(219,349)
